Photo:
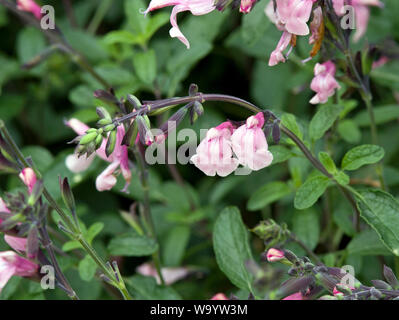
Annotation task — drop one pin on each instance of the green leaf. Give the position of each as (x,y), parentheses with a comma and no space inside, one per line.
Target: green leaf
(268,194)
(41,157)
(87,268)
(146,288)
(367,243)
(254,24)
(381,211)
(174,246)
(306,226)
(120,36)
(349,131)
(145,64)
(93,231)
(231,246)
(327,162)
(71,245)
(308,193)
(132,245)
(342,178)
(280,154)
(382,115)
(288,120)
(362,155)
(323,120)
(30,43)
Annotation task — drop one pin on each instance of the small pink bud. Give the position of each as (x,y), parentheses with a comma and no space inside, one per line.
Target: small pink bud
(274,255)
(28,177)
(30,6)
(246,5)
(219,296)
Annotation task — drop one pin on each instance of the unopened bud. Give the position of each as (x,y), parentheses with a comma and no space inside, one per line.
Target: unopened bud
(390,277)
(111,143)
(193,90)
(109,127)
(274,255)
(104,122)
(88,137)
(103,113)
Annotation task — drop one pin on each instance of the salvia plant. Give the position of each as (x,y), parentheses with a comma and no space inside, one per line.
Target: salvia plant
(273,177)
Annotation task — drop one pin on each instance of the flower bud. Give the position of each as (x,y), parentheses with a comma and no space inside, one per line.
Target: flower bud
(109,127)
(67,195)
(379,284)
(28,177)
(99,141)
(88,137)
(104,122)
(111,143)
(134,101)
(276,132)
(193,90)
(129,139)
(390,277)
(274,255)
(105,96)
(145,134)
(103,113)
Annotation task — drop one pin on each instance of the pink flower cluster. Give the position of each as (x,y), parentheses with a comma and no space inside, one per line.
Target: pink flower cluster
(118,159)
(11,263)
(214,155)
(196,7)
(291,17)
(362,13)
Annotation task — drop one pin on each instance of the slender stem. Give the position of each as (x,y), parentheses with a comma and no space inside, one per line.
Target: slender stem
(155,105)
(47,243)
(147,209)
(99,15)
(294,238)
(76,233)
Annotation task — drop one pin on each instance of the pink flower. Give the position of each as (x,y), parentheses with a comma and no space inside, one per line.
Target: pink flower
(214,154)
(28,177)
(219,296)
(170,275)
(380,62)
(11,264)
(362,13)
(3,207)
(246,5)
(291,17)
(250,145)
(118,159)
(295,14)
(324,83)
(339,6)
(196,7)
(30,6)
(277,55)
(17,243)
(274,255)
(295,296)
